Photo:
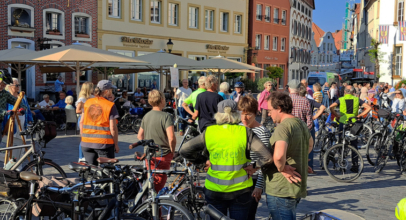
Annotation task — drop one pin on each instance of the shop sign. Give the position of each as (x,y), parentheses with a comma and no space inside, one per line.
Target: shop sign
(216,48)
(136,42)
(271,58)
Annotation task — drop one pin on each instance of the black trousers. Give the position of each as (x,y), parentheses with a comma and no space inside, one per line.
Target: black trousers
(91,154)
(254,203)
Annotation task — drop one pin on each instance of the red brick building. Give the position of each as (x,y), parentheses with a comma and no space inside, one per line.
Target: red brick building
(268,36)
(37,25)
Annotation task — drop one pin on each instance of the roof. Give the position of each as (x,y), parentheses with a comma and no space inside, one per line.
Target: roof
(318,33)
(338,37)
(310,3)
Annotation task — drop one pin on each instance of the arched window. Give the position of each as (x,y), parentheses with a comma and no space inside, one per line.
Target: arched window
(299,30)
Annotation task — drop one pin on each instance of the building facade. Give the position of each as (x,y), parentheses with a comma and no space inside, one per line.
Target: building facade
(199,30)
(301,18)
(268,36)
(324,54)
(37,25)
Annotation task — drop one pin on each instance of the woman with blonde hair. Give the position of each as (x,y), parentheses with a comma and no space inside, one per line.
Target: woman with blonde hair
(85,93)
(262,103)
(398,101)
(224,87)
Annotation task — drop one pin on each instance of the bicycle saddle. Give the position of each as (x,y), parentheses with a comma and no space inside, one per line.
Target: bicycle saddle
(28,176)
(102,160)
(78,166)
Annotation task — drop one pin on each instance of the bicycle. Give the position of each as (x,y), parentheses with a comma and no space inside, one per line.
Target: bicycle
(389,142)
(39,163)
(128,121)
(339,157)
(325,138)
(155,206)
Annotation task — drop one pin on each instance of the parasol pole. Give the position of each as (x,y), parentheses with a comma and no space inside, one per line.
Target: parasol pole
(77,76)
(162,85)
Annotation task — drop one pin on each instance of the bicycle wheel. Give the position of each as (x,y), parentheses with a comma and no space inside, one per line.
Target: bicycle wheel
(364,136)
(374,144)
(124,124)
(340,163)
(196,206)
(7,209)
(136,125)
(167,210)
(402,162)
(382,156)
(49,169)
(319,142)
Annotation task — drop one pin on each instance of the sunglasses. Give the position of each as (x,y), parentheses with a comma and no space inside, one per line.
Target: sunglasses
(18,85)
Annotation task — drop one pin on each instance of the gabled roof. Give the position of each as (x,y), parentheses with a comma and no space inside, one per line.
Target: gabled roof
(338,37)
(318,33)
(310,3)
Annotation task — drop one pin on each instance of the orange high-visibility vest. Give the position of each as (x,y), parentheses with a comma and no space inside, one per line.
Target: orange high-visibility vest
(96,121)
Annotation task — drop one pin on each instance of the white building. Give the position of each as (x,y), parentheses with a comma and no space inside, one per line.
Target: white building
(324,56)
(301,16)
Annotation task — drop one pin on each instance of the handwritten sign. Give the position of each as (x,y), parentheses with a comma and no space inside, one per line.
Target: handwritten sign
(174,77)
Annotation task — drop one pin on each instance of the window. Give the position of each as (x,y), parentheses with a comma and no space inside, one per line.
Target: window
(224,21)
(398,67)
(299,29)
(401,5)
(283,17)
(303,30)
(156,12)
(53,22)
(266,42)
(193,17)
(238,23)
(295,27)
(310,13)
(209,19)
(306,11)
(275,43)
(268,14)
(81,25)
(298,6)
(136,10)
(331,58)
(283,44)
(283,76)
(24,14)
(259,12)
(258,41)
(294,3)
(114,8)
(276,15)
(173,14)
(324,46)
(302,9)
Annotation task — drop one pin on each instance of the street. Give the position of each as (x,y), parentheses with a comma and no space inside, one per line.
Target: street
(372,196)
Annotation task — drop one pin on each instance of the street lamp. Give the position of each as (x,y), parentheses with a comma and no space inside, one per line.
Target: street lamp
(169,45)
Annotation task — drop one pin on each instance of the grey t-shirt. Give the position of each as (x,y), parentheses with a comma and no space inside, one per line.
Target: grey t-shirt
(154,125)
(113,115)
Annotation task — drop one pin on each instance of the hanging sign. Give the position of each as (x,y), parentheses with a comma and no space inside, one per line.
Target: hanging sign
(174,77)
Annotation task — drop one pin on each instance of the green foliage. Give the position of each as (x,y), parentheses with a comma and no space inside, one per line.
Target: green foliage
(103,70)
(250,85)
(233,75)
(399,84)
(376,56)
(261,82)
(274,72)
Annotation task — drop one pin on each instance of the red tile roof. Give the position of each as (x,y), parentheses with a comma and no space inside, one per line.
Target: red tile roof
(338,37)
(318,33)
(310,3)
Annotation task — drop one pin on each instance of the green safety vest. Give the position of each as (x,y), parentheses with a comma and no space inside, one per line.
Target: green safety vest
(344,111)
(227,145)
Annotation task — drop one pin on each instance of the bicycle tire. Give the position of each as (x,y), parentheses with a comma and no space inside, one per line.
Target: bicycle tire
(403,159)
(365,135)
(374,143)
(7,209)
(136,125)
(183,197)
(143,210)
(33,164)
(319,142)
(123,124)
(342,165)
(382,157)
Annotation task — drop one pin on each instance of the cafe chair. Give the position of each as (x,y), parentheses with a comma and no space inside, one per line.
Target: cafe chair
(71,117)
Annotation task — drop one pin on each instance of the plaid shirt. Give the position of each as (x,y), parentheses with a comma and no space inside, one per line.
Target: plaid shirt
(302,110)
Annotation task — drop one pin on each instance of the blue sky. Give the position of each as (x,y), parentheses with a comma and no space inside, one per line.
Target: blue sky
(329,14)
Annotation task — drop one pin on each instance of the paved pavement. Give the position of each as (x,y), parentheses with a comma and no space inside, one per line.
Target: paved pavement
(372,196)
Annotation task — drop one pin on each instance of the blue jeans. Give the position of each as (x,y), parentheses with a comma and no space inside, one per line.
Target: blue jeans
(182,114)
(39,115)
(310,163)
(238,207)
(282,208)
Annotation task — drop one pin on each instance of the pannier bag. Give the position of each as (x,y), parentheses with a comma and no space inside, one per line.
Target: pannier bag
(356,128)
(384,113)
(11,186)
(48,132)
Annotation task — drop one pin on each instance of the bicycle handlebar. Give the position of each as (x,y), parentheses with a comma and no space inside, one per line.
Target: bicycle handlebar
(67,190)
(150,143)
(186,122)
(214,213)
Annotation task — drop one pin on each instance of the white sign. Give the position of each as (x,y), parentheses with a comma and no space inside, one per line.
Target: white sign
(174,77)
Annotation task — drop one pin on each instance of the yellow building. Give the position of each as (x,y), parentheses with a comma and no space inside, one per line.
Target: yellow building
(198,29)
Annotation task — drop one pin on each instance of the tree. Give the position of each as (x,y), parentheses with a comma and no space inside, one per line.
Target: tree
(233,75)
(274,72)
(376,56)
(106,71)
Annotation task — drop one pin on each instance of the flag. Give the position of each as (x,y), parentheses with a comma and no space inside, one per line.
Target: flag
(402,35)
(383,33)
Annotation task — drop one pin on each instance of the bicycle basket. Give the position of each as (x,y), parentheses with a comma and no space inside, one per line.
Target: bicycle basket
(356,128)
(11,186)
(384,113)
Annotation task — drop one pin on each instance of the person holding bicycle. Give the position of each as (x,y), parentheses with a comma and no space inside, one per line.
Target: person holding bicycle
(348,107)
(228,185)
(98,126)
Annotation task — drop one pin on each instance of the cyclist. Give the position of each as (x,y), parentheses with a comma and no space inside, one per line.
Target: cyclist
(349,106)
(239,91)
(191,100)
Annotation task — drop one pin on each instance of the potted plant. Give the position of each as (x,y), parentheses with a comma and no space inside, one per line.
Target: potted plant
(82,34)
(54,32)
